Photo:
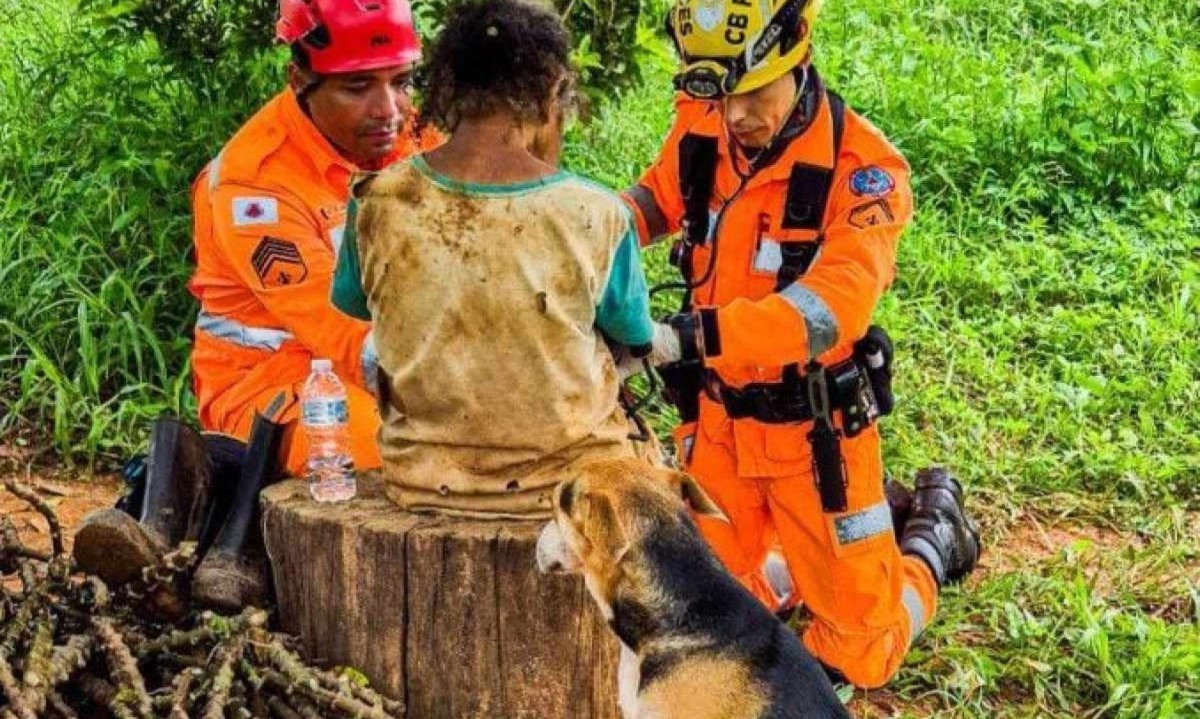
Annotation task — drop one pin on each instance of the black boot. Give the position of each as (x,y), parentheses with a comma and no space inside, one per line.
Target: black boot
(900,501)
(178,484)
(939,530)
(234,573)
(226,456)
(175,498)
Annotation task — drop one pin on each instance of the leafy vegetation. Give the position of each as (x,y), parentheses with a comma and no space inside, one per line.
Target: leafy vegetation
(1045,308)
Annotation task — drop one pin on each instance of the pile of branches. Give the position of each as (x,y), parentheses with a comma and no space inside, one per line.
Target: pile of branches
(69,647)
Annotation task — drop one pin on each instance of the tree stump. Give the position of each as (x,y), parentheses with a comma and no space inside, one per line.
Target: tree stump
(449,615)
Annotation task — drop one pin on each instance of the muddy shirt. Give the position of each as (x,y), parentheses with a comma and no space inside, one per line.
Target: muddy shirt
(488,301)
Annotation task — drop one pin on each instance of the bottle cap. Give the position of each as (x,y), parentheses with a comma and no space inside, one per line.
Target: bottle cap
(322,365)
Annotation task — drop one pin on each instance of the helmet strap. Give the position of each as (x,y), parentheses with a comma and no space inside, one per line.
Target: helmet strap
(767,151)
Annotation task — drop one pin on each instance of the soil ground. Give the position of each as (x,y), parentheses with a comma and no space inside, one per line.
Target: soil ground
(1030,544)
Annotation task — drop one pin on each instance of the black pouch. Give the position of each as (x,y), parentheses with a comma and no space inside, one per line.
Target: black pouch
(682,384)
(874,352)
(826,443)
(828,467)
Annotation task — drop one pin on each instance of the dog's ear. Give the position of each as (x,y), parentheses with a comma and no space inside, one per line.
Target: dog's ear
(566,496)
(602,526)
(694,496)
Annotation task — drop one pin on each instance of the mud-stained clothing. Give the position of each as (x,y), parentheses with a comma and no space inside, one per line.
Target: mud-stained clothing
(488,303)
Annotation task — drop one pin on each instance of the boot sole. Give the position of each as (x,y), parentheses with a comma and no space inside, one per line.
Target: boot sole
(228,584)
(113,546)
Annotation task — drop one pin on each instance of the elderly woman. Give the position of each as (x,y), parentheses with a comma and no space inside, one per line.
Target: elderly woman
(490,276)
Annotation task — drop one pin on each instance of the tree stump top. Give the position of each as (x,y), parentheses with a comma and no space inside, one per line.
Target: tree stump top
(449,615)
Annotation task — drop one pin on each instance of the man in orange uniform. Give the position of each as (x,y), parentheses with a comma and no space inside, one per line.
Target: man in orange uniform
(270,213)
(790,207)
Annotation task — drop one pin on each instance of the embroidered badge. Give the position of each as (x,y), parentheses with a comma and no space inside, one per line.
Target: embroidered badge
(255,211)
(870,214)
(871,181)
(278,263)
(709,14)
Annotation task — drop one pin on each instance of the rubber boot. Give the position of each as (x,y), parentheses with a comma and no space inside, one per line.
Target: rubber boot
(175,498)
(900,502)
(234,572)
(939,531)
(226,456)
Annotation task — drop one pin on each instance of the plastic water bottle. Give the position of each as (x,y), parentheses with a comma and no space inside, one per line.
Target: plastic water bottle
(325,417)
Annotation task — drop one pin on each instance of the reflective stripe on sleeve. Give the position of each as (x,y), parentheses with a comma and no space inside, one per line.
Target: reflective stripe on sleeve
(234,332)
(916,612)
(863,524)
(214,172)
(656,222)
(818,318)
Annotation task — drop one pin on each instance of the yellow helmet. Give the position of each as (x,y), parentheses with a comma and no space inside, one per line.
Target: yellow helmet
(731,47)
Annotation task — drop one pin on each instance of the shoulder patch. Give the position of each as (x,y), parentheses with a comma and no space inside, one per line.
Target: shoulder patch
(871,181)
(255,211)
(875,212)
(278,263)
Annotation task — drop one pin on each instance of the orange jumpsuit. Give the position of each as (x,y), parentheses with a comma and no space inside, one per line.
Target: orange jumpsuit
(269,216)
(869,602)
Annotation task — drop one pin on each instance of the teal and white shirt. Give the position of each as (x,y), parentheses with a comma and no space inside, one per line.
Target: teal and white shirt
(488,303)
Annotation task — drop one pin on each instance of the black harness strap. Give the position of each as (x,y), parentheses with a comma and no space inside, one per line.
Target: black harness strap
(807,200)
(697,183)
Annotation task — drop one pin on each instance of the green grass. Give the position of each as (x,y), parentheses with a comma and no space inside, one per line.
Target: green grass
(1045,308)
(1046,313)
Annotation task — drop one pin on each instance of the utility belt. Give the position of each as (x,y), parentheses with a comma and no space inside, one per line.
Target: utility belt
(848,387)
(859,387)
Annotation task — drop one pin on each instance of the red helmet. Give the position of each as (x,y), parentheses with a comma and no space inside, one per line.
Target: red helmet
(350,35)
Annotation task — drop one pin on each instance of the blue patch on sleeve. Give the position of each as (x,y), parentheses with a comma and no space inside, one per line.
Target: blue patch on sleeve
(871,181)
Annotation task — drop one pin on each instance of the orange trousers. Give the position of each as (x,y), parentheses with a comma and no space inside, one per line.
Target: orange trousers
(237,410)
(868,601)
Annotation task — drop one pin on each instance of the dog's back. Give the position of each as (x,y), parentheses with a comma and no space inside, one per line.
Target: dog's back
(717,651)
(697,644)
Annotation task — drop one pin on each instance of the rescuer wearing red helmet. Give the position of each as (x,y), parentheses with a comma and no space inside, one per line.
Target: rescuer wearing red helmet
(270,213)
(269,217)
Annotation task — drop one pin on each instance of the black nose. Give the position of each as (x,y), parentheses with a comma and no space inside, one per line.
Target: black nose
(555,566)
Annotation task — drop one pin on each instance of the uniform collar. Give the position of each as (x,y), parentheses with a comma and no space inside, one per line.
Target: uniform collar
(808,138)
(312,144)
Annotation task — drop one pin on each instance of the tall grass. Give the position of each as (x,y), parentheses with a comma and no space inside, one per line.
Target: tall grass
(101,142)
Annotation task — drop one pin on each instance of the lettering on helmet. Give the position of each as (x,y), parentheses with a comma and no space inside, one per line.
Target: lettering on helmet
(683,21)
(735,28)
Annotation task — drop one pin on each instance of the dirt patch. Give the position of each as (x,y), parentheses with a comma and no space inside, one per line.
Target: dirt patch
(1032,541)
(882,703)
(1157,571)
(72,499)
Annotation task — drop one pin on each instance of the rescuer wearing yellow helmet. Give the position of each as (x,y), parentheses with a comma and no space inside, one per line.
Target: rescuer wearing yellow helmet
(788,208)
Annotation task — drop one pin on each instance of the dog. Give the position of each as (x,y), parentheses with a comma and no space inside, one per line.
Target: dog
(695,644)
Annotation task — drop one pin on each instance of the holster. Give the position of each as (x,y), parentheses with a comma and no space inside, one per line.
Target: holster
(683,382)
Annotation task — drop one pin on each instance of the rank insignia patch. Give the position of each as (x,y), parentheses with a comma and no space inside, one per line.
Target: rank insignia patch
(871,181)
(875,212)
(278,263)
